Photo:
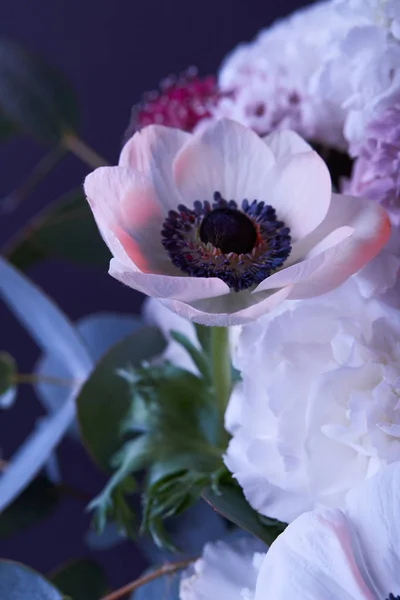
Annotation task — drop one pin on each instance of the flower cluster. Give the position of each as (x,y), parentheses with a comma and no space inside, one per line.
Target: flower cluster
(222,213)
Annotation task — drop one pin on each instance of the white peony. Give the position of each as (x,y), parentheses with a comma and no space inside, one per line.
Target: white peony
(331,554)
(362,75)
(318,410)
(270,81)
(226,571)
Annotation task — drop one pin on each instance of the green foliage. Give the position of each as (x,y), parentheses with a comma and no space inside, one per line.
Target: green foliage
(7,378)
(7,129)
(34,96)
(80,580)
(104,401)
(64,230)
(35,503)
(227,498)
(18,582)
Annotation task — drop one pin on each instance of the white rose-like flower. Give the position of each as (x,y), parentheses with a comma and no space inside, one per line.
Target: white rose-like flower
(333,555)
(222,226)
(226,571)
(270,80)
(318,410)
(362,77)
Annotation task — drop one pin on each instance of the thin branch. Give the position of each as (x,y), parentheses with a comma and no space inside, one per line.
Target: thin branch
(167,569)
(83,151)
(32,378)
(36,176)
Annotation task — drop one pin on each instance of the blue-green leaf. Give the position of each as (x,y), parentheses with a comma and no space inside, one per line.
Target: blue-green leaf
(18,582)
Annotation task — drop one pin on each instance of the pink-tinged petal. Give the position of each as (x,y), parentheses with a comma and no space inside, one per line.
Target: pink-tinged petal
(152,151)
(303,270)
(371,231)
(180,288)
(299,188)
(374,511)
(286,143)
(129,217)
(313,560)
(213,312)
(224,157)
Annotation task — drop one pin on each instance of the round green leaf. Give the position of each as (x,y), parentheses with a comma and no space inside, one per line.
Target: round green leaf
(18,582)
(65,230)
(8,370)
(35,96)
(104,400)
(81,580)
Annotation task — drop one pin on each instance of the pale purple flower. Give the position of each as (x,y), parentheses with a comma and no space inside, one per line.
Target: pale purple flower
(376,172)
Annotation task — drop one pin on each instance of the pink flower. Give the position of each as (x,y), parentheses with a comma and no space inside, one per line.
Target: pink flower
(376,173)
(181,102)
(222,226)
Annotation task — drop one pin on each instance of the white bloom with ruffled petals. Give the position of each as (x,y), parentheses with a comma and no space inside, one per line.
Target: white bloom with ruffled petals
(318,410)
(138,208)
(331,554)
(227,570)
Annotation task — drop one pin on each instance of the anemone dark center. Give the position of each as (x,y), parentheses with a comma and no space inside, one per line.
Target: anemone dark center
(393,597)
(229,230)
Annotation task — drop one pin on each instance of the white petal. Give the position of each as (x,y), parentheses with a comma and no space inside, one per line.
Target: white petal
(303,270)
(184,289)
(371,227)
(152,151)
(374,511)
(127,212)
(224,571)
(225,157)
(216,314)
(313,560)
(299,188)
(286,143)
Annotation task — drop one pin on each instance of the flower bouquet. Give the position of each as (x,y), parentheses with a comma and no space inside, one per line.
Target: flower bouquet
(259,213)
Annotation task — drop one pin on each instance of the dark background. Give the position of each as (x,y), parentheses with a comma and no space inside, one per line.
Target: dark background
(112,51)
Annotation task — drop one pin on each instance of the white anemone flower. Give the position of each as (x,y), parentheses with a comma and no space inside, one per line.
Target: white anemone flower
(332,554)
(222,226)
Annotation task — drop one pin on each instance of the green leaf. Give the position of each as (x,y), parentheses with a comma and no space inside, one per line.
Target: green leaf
(227,498)
(104,401)
(8,369)
(18,582)
(81,580)
(7,129)
(35,503)
(64,230)
(200,358)
(35,96)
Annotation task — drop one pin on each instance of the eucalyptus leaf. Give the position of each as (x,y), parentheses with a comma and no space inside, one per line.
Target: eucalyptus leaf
(35,96)
(35,503)
(8,369)
(66,229)
(105,399)
(18,582)
(52,331)
(81,580)
(227,499)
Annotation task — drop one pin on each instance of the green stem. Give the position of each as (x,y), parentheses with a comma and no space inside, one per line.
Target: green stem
(221,364)
(83,151)
(32,378)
